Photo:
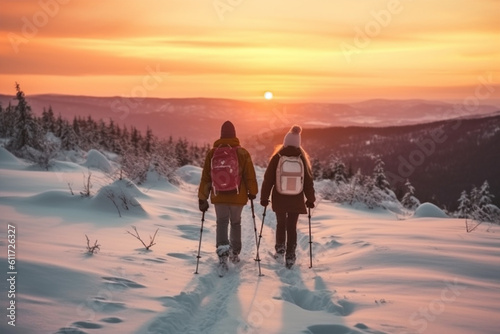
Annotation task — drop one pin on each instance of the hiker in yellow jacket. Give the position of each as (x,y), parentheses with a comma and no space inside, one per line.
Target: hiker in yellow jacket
(228,205)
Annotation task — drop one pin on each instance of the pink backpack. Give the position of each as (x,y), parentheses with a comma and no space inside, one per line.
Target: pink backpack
(225,171)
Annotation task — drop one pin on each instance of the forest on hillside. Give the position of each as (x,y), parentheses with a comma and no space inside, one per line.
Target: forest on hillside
(441,158)
(45,138)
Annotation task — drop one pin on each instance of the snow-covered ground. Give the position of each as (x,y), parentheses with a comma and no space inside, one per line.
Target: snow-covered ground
(373,272)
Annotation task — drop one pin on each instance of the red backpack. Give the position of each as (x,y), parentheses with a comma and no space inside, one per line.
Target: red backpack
(225,171)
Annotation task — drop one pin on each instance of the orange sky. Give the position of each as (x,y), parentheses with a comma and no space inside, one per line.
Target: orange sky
(341,50)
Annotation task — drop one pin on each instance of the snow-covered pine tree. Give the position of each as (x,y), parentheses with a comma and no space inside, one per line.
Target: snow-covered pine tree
(51,145)
(27,134)
(338,171)
(149,140)
(114,132)
(104,136)
(48,120)
(7,121)
(124,140)
(485,197)
(353,188)
(371,193)
(316,169)
(135,138)
(474,198)
(69,139)
(409,200)
(464,205)
(3,115)
(379,175)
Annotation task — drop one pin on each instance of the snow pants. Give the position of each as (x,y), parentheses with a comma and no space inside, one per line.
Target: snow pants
(286,233)
(228,214)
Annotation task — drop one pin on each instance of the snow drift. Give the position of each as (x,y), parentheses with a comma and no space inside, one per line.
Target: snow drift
(97,160)
(120,196)
(429,210)
(9,161)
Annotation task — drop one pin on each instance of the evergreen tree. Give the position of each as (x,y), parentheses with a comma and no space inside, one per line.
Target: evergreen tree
(27,133)
(148,140)
(409,200)
(124,140)
(484,196)
(135,139)
(3,114)
(69,139)
(474,198)
(350,172)
(76,127)
(103,136)
(464,205)
(355,183)
(48,120)
(50,147)
(371,197)
(181,152)
(379,175)
(316,169)
(9,121)
(338,171)
(58,126)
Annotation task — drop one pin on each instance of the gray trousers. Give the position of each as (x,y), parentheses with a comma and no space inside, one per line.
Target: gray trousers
(227,214)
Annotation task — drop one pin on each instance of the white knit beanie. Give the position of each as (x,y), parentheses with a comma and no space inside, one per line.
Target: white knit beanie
(292,138)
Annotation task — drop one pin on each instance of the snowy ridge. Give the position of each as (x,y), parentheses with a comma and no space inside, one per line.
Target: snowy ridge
(372,272)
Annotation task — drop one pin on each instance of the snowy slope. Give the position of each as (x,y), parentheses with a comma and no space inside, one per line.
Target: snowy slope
(372,272)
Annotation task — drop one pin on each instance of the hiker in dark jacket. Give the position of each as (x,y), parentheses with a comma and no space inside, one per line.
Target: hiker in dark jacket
(288,207)
(228,205)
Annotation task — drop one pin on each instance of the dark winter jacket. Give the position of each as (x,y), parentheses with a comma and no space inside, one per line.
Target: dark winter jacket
(287,203)
(248,184)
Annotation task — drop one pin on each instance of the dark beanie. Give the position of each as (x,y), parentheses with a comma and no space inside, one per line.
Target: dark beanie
(227,130)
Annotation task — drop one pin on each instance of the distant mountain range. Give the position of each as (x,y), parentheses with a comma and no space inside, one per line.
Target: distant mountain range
(441,147)
(199,119)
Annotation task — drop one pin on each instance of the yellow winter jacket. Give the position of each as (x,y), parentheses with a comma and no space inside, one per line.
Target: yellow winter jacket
(248,178)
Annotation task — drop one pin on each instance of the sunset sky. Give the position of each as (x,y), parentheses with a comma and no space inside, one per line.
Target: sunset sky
(321,51)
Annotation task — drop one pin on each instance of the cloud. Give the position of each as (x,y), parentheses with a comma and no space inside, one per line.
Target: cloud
(283,43)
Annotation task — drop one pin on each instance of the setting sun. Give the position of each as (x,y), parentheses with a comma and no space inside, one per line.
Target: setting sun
(268,95)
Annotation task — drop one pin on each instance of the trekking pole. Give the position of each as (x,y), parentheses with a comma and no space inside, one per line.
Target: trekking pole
(261,227)
(257,257)
(310,240)
(199,245)
(260,237)
(254,225)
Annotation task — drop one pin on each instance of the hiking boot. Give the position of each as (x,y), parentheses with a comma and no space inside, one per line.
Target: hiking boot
(280,248)
(279,257)
(280,253)
(222,267)
(234,258)
(222,251)
(290,261)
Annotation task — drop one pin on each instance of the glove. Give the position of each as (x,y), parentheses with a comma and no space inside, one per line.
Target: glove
(264,202)
(251,197)
(203,205)
(310,204)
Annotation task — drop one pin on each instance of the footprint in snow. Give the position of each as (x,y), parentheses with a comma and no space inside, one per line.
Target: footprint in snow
(123,282)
